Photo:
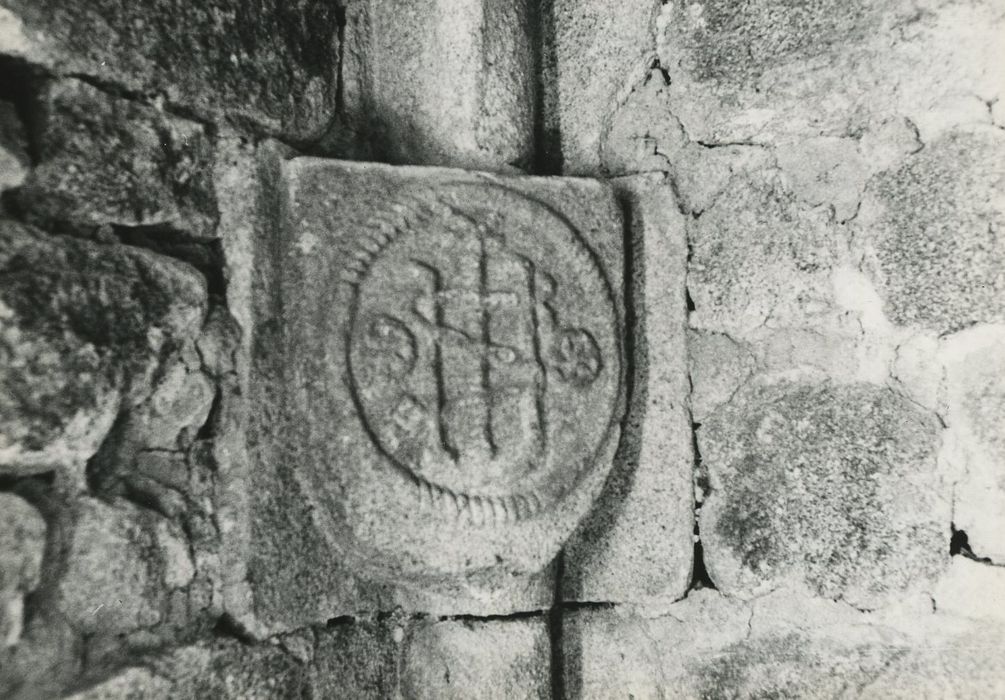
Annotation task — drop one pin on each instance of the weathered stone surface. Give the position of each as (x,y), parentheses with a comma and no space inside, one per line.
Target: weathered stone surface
(478,659)
(759,257)
(121,567)
(769,71)
(441,83)
(81,325)
(149,450)
(589,81)
(933,222)
(108,160)
(222,669)
(14,161)
(637,543)
(975,379)
(719,366)
(405,482)
(272,63)
(779,646)
(22,544)
(358,659)
(828,486)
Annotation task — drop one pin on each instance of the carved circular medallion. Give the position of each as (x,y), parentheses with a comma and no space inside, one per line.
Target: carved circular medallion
(483,352)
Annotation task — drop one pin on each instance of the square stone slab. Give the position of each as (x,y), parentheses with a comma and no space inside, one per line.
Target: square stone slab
(436,376)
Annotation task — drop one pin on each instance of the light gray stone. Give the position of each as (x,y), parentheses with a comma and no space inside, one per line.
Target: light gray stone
(359,491)
(636,546)
(121,566)
(490,659)
(760,258)
(595,54)
(975,379)
(719,366)
(772,71)
(275,67)
(220,669)
(783,645)
(22,544)
(81,327)
(932,223)
(106,160)
(972,589)
(832,487)
(442,83)
(14,161)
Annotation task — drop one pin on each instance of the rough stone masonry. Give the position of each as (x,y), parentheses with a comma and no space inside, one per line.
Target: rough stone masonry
(502,349)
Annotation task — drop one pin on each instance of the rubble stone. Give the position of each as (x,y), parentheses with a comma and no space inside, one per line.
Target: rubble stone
(14,161)
(829,486)
(719,366)
(399,507)
(120,567)
(106,160)
(221,669)
(443,83)
(932,221)
(82,324)
(483,659)
(767,72)
(275,66)
(759,257)
(22,544)
(636,545)
(358,659)
(779,646)
(975,379)
(588,81)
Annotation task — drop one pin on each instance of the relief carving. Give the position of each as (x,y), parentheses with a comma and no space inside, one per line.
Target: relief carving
(470,335)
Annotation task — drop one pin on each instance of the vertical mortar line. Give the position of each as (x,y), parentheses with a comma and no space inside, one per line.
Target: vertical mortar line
(547,157)
(555,632)
(340,23)
(699,573)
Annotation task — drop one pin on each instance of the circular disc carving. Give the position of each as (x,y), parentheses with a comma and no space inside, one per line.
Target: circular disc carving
(483,352)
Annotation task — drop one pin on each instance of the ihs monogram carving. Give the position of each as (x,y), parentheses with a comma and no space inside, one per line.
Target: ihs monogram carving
(473,338)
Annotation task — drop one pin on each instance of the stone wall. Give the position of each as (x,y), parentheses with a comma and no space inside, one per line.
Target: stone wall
(744,437)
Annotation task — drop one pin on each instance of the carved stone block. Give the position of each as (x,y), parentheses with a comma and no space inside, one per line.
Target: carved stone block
(436,373)
(636,546)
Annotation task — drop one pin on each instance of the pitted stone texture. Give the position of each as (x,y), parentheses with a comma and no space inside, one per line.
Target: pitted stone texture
(81,326)
(153,447)
(222,669)
(22,544)
(440,83)
(779,646)
(478,659)
(636,546)
(975,380)
(595,54)
(933,224)
(767,72)
(833,487)
(719,366)
(414,658)
(394,309)
(123,566)
(759,257)
(358,659)
(107,160)
(14,161)
(272,64)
